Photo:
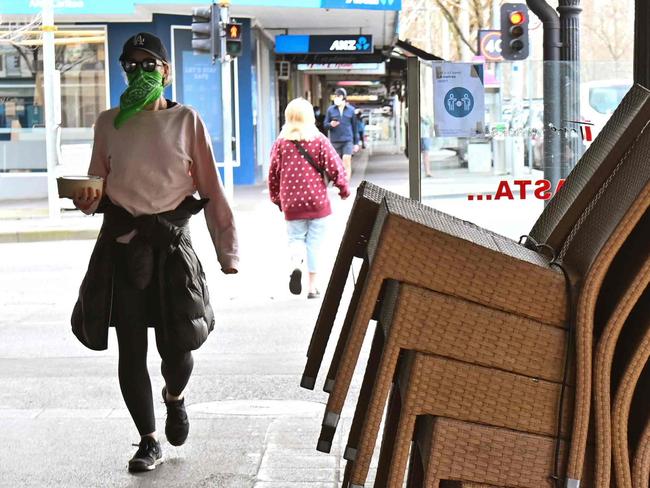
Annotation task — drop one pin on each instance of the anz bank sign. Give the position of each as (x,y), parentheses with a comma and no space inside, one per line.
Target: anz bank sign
(359,44)
(303,44)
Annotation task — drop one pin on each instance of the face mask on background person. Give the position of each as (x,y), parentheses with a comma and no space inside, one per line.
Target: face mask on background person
(339,101)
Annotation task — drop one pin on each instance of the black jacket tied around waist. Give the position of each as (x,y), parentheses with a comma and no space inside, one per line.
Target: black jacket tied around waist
(186,315)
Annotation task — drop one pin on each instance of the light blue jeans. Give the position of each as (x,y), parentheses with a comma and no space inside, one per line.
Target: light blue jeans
(309,234)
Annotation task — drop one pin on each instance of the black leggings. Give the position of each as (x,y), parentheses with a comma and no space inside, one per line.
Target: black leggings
(176,368)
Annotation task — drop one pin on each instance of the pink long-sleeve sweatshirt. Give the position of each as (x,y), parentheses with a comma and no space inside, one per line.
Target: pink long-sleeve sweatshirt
(155,160)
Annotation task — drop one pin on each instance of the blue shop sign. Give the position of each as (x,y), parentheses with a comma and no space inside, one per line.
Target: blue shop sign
(363,4)
(67,7)
(345,44)
(243,3)
(97,7)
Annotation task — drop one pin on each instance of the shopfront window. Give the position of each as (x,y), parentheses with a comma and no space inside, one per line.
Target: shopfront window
(80,59)
(483,153)
(80,88)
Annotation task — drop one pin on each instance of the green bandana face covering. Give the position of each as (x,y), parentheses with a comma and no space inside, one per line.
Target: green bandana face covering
(144,88)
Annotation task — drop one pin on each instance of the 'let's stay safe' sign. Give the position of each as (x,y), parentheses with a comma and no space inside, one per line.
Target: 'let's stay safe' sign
(459,100)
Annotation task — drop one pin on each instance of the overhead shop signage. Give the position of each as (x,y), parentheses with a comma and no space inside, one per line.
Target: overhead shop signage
(344,44)
(363,4)
(347,68)
(67,7)
(97,7)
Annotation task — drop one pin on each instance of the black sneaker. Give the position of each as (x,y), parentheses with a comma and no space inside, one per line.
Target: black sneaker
(147,456)
(295,282)
(177,426)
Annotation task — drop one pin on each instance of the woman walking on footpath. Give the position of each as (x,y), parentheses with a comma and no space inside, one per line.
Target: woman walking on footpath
(301,159)
(153,154)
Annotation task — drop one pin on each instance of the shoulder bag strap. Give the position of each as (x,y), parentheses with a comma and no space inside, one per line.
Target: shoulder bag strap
(308,157)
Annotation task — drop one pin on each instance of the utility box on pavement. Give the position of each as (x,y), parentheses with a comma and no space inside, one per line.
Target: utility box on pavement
(479,156)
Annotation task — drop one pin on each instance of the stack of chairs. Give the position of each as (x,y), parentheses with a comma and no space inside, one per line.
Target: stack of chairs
(494,359)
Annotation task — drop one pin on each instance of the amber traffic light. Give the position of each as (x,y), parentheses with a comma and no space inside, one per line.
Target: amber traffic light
(514,31)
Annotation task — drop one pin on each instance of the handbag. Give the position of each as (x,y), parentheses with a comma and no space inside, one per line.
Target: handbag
(311,161)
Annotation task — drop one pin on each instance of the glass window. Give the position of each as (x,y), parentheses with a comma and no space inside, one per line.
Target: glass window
(80,58)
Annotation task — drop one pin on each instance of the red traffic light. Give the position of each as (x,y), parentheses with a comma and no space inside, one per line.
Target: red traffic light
(517,17)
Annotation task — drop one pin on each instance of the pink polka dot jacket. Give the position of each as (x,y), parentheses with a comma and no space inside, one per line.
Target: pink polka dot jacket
(295,185)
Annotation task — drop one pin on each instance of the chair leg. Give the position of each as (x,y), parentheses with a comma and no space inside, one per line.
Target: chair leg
(641,474)
(363,444)
(345,329)
(346,475)
(621,410)
(348,362)
(604,357)
(329,307)
(388,439)
(366,394)
(397,465)
(415,477)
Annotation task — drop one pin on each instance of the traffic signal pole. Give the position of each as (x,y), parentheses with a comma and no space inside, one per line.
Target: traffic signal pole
(226,102)
(552,104)
(572,146)
(209,36)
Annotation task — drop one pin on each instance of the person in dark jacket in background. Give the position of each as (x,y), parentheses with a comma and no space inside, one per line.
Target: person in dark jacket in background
(341,122)
(153,155)
(320,119)
(297,187)
(361,127)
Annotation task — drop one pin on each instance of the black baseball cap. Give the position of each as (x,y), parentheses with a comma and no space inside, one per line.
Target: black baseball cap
(341,92)
(145,41)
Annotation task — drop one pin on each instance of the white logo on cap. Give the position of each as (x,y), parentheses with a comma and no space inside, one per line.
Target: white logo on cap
(138,41)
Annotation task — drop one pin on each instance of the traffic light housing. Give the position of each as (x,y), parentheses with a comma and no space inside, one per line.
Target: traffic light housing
(205,31)
(514,31)
(234,39)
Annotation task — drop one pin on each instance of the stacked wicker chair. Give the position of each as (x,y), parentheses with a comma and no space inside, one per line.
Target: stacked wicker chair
(475,332)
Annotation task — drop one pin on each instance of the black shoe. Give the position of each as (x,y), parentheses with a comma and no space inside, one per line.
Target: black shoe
(177,425)
(295,282)
(147,456)
(313,294)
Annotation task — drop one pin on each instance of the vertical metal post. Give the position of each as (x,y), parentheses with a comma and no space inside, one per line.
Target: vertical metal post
(552,115)
(413,101)
(51,125)
(642,43)
(570,54)
(226,103)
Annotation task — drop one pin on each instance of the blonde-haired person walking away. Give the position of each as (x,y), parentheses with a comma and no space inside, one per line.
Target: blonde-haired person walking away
(301,158)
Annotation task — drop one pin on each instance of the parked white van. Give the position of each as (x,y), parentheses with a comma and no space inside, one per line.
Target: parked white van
(599,99)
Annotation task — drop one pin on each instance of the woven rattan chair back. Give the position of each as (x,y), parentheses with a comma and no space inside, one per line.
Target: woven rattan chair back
(594,168)
(462,450)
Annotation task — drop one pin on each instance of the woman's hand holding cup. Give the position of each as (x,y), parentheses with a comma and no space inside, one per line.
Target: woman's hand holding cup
(85,197)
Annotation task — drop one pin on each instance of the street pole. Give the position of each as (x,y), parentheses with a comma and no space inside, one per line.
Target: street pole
(50,104)
(570,54)
(552,114)
(642,43)
(414,120)
(226,103)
